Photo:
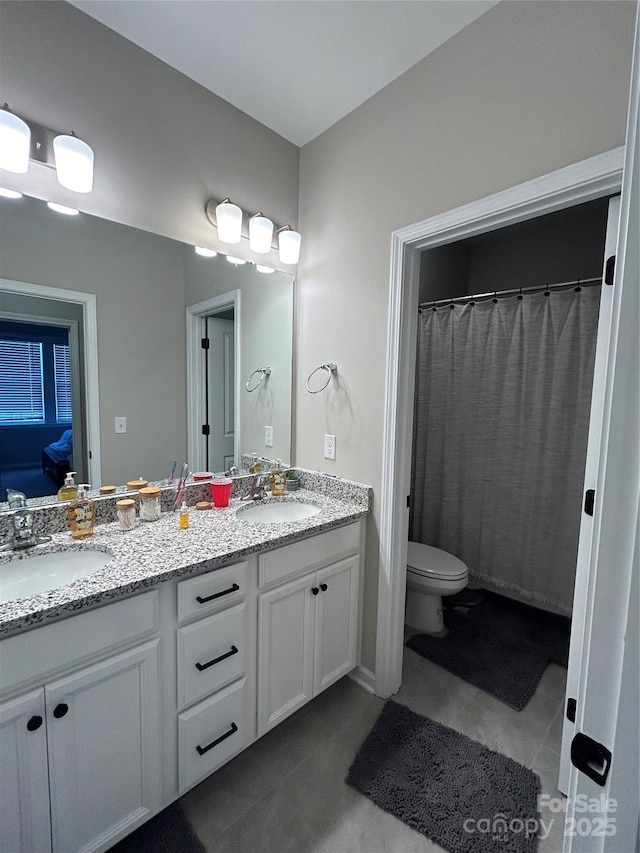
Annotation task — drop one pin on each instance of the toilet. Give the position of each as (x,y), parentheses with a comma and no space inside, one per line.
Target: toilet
(431,573)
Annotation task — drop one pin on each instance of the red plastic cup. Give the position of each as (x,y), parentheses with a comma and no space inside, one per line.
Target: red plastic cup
(221,491)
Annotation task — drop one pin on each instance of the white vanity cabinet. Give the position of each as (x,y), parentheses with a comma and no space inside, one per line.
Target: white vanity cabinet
(307,620)
(80,754)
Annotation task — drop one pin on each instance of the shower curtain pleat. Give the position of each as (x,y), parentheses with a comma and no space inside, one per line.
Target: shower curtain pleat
(503,392)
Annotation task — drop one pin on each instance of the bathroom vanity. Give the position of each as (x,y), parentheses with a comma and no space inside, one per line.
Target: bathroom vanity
(122,690)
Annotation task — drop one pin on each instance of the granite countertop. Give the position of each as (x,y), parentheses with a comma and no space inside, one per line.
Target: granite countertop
(158,551)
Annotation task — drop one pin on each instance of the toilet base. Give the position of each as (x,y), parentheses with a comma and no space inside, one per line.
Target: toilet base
(424,613)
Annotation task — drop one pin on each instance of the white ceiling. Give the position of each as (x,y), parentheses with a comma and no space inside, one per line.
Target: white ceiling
(297,66)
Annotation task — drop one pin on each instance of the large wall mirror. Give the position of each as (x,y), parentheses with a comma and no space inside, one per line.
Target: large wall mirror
(155,300)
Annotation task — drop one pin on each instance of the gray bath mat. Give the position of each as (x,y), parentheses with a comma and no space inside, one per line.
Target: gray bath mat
(461,795)
(167,832)
(500,646)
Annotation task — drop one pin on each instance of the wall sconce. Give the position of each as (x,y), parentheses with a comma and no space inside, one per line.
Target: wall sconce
(22,141)
(228,219)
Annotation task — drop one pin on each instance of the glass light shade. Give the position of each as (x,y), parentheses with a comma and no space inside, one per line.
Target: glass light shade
(260,234)
(5,193)
(205,253)
(237,261)
(229,222)
(61,208)
(289,246)
(262,268)
(15,143)
(74,163)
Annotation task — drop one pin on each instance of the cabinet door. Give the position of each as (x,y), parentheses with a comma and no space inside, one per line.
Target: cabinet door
(285,655)
(24,784)
(336,622)
(104,750)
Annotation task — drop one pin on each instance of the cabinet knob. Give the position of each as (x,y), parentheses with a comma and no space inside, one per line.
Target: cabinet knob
(315,590)
(323,587)
(60,710)
(34,723)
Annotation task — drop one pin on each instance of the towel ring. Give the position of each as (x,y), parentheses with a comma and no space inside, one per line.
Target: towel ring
(331,367)
(264,372)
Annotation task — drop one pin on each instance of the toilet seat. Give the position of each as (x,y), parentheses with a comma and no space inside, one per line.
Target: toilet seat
(429,562)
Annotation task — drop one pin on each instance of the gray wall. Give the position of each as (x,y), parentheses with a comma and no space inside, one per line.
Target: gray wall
(527,88)
(163,144)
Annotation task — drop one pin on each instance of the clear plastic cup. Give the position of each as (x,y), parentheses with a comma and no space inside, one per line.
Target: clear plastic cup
(221,491)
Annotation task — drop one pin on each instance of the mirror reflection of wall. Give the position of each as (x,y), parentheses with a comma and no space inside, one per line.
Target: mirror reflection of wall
(141,285)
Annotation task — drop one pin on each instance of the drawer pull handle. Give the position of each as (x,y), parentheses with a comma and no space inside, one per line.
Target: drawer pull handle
(315,590)
(323,587)
(233,588)
(232,651)
(60,710)
(203,749)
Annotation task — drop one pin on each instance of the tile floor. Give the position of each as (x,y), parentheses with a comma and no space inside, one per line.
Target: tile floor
(286,793)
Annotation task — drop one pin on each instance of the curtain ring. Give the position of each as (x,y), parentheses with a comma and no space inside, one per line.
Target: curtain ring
(331,367)
(264,372)
(520,296)
(577,287)
(495,297)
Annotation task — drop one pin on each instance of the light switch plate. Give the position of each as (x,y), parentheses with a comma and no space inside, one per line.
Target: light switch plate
(329,447)
(121,425)
(268,436)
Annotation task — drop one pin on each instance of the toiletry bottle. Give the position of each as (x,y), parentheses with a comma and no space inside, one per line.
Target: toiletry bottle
(277,480)
(184,516)
(256,465)
(82,514)
(68,491)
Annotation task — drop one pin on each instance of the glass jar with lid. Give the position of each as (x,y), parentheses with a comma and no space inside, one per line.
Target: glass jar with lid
(149,503)
(126,513)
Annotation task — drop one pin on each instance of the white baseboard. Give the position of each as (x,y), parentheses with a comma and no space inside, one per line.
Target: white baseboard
(364,677)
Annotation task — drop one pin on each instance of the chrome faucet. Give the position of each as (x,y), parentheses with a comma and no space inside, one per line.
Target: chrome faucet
(258,488)
(15,499)
(23,535)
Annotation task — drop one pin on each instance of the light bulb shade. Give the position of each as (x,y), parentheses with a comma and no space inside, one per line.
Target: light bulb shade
(260,234)
(74,163)
(15,143)
(263,269)
(289,246)
(204,252)
(229,222)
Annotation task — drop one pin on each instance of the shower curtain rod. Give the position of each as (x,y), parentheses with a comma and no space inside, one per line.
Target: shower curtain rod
(456,300)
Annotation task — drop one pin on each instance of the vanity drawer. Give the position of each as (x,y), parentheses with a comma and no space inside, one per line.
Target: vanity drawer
(211,654)
(211,592)
(309,554)
(211,733)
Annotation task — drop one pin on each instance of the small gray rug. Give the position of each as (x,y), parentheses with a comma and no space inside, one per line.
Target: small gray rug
(168,832)
(500,646)
(461,795)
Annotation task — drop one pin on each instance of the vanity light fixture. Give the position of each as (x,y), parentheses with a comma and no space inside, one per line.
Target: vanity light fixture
(237,261)
(5,193)
(260,234)
(204,252)
(15,142)
(22,141)
(229,221)
(262,268)
(61,208)
(289,245)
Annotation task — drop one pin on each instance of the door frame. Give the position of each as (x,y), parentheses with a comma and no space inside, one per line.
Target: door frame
(90,379)
(581,182)
(195,372)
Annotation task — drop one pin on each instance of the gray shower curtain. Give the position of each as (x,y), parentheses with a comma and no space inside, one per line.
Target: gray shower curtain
(503,391)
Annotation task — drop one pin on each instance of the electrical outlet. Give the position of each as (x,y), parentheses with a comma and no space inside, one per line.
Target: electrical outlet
(268,436)
(329,447)
(121,425)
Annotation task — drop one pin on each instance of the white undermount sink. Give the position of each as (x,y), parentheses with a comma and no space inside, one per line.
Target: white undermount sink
(22,578)
(277,513)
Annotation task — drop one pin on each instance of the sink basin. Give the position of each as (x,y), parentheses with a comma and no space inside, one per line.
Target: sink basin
(277,513)
(41,572)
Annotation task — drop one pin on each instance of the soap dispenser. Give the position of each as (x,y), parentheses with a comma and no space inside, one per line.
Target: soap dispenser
(277,480)
(68,491)
(82,514)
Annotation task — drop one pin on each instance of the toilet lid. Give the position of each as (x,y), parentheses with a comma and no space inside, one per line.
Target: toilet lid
(434,563)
